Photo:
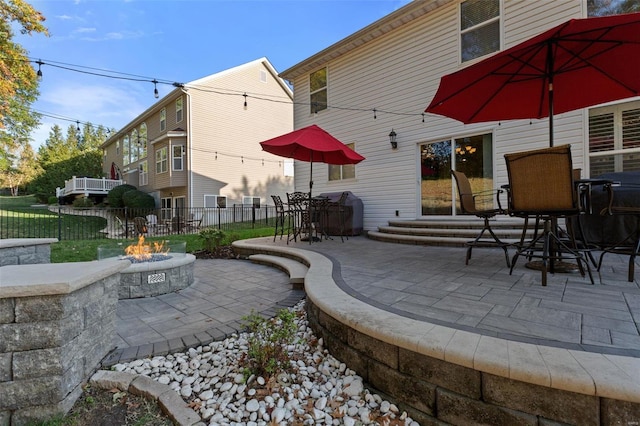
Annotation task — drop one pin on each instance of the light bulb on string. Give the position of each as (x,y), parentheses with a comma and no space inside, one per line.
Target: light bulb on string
(39,73)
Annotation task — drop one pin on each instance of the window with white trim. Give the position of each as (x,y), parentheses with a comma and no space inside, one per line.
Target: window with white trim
(143,173)
(318,90)
(163,119)
(135,145)
(479,28)
(118,147)
(177,157)
(347,171)
(143,140)
(179,109)
(162,165)
(614,138)
(125,150)
(165,208)
(215,201)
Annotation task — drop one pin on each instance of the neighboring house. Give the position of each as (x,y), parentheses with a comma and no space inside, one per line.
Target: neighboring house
(381,78)
(199,146)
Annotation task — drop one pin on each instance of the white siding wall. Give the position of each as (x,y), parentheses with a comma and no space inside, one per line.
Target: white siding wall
(400,72)
(221,124)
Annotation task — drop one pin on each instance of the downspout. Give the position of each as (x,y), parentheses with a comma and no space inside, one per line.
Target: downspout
(189,155)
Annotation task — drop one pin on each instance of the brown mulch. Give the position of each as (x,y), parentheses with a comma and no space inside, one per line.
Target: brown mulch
(223,252)
(103,407)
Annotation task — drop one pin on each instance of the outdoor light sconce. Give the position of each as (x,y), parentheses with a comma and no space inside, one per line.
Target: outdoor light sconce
(392,139)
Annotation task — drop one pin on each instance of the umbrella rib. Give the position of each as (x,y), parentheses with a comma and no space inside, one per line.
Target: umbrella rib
(512,76)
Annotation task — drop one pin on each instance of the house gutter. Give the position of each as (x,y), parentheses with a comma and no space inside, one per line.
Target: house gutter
(190,154)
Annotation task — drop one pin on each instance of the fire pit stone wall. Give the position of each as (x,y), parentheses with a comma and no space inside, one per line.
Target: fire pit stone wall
(146,279)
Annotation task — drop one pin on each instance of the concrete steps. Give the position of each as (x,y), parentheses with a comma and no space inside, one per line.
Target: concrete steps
(447,232)
(296,270)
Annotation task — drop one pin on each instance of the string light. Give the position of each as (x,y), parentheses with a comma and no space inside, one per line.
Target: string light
(39,73)
(228,92)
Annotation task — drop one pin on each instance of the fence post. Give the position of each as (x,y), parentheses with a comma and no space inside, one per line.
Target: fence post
(59,223)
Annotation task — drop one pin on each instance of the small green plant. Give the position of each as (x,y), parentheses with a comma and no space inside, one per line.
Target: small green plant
(52,200)
(82,202)
(267,353)
(213,238)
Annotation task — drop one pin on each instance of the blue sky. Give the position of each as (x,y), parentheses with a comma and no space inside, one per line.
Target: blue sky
(174,40)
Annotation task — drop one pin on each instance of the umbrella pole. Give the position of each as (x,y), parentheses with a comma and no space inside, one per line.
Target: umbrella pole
(551,112)
(550,89)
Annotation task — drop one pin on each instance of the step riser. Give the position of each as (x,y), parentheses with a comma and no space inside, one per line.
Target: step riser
(447,232)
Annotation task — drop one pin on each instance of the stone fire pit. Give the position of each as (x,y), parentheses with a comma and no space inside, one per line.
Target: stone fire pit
(163,273)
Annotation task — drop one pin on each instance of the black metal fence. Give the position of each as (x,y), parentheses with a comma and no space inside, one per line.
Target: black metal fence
(69,223)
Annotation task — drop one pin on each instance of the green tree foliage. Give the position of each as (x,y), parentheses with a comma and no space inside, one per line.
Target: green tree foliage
(20,168)
(78,154)
(115,196)
(612,7)
(18,80)
(138,200)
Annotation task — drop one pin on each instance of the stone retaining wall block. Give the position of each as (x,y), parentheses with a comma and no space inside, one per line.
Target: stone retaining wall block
(456,378)
(554,404)
(373,348)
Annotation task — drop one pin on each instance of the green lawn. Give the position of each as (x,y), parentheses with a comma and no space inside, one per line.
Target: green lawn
(41,223)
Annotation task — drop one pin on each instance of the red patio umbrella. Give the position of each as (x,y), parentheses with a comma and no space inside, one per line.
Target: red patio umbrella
(311,144)
(580,63)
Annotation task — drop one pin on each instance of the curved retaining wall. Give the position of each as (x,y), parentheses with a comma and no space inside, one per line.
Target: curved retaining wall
(438,373)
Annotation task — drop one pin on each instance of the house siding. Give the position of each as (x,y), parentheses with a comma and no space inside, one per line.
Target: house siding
(400,72)
(225,136)
(213,121)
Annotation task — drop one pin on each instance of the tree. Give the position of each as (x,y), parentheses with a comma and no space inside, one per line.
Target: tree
(18,80)
(62,157)
(612,7)
(20,171)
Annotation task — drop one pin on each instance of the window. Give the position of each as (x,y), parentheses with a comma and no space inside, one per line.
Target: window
(165,209)
(161,160)
(318,90)
(471,155)
(263,76)
(347,171)
(143,140)
(177,155)
(251,201)
(614,139)
(143,173)
(479,28)
(179,110)
(118,147)
(125,150)
(135,145)
(163,119)
(215,201)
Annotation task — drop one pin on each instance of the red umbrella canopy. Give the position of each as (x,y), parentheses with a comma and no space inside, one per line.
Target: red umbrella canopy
(311,144)
(580,63)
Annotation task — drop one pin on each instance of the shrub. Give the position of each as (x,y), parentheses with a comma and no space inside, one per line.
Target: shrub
(135,199)
(82,202)
(115,195)
(212,238)
(267,350)
(52,200)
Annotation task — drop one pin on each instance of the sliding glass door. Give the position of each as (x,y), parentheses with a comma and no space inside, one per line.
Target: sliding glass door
(472,155)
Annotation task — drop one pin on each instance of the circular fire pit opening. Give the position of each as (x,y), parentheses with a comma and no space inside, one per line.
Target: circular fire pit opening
(159,273)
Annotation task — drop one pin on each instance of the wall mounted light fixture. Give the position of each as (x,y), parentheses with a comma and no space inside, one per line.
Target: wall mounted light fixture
(392,139)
